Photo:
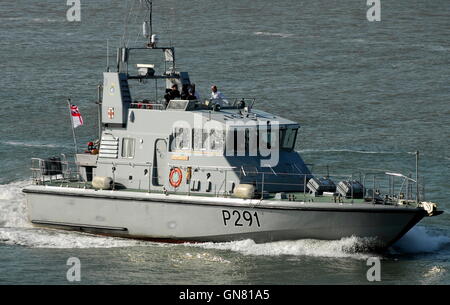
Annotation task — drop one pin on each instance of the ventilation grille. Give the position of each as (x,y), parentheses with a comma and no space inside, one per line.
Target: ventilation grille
(109,147)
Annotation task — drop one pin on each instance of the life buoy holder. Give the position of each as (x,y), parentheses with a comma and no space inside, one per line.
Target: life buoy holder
(175,177)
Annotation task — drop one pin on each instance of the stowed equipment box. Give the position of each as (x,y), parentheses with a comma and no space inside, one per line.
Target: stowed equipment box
(321,185)
(351,189)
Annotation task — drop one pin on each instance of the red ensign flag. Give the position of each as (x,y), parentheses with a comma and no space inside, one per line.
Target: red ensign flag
(77,119)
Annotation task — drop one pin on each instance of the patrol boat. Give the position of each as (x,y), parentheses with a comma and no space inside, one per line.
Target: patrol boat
(189,170)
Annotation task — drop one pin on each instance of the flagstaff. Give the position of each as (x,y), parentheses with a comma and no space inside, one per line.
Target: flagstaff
(74,112)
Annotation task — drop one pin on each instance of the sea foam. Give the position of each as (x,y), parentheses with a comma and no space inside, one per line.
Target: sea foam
(45,238)
(12,205)
(15,229)
(32,144)
(282,35)
(351,247)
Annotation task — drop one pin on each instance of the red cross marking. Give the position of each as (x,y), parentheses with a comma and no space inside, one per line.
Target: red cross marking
(111,113)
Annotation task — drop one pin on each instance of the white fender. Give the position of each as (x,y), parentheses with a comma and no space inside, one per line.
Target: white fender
(102,183)
(244,191)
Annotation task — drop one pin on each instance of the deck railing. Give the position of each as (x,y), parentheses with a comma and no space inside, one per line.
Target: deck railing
(49,171)
(228,103)
(147,105)
(384,188)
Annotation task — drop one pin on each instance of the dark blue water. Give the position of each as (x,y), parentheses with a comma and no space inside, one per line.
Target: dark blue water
(367,95)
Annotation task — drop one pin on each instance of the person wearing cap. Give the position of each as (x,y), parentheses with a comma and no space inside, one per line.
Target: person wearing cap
(91,149)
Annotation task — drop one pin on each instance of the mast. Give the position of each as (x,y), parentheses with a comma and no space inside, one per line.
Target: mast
(417,177)
(150,18)
(148,26)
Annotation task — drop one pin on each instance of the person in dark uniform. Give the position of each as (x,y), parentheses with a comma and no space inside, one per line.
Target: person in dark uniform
(191,94)
(185,92)
(172,94)
(195,93)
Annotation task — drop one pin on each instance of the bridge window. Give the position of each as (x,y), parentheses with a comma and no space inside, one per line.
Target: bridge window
(182,138)
(211,140)
(128,147)
(216,140)
(288,137)
(265,138)
(200,139)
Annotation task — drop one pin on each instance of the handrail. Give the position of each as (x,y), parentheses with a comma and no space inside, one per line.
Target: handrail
(397,193)
(233,104)
(148,106)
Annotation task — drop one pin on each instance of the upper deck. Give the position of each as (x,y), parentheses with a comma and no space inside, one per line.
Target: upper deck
(239,110)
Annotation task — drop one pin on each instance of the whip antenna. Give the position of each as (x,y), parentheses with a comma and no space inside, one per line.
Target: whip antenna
(147,27)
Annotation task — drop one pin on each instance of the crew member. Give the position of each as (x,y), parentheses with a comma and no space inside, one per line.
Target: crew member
(195,93)
(172,94)
(217,97)
(92,149)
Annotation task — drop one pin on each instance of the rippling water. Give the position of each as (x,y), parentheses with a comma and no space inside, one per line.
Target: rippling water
(366,95)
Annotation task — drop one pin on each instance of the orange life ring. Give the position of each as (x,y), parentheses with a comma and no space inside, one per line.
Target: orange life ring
(175,177)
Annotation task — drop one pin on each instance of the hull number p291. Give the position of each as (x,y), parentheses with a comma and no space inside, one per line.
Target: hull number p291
(240,218)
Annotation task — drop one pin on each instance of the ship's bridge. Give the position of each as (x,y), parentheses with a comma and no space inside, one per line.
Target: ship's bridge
(236,128)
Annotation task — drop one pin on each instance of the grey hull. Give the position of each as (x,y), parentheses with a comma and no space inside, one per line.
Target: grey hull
(189,218)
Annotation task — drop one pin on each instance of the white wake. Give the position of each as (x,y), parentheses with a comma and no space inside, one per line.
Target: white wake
(15,228)
(351,247)
(351,151)
(12,205)
(416,241)
(282,35)
(46,238)
(33,144)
